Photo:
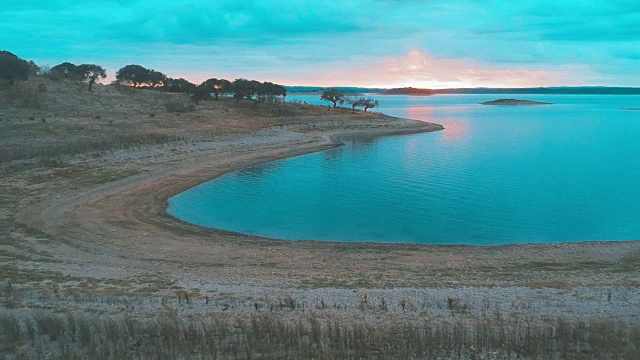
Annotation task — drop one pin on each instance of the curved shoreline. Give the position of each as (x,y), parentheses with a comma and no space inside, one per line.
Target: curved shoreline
(124,225)
(331,141)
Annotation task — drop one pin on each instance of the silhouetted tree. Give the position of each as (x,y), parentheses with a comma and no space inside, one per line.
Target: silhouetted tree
(268,91)
(65,70)
(13,68)
(91,73)
(217,86)
(135,75)
(179,86)
(334,96)
(243,88)
(202,92)
(277,90)
(156,78)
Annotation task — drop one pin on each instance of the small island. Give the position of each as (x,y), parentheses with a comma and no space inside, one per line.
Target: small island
(631,109)
(514,102)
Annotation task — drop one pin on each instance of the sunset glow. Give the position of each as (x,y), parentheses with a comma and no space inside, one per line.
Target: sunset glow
(434,44)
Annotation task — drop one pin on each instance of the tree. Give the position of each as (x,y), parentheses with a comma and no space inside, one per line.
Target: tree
(334,96)
(268,91)
(134,75)
(156,78)
(13,68)
(369,103)
(353,101)
(243,88)
(217,86)
(200,93)
(366,103)
(91,73)
(278,90)
(65,70)
(179,86)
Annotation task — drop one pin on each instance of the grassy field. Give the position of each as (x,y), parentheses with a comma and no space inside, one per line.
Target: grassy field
(310,335)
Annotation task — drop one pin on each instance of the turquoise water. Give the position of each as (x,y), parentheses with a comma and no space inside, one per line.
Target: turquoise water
(495,175)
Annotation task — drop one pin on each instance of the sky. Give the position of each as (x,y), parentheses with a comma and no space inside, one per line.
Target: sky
(370,43)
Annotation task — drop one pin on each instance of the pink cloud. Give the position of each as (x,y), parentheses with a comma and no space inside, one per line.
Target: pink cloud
(419,69)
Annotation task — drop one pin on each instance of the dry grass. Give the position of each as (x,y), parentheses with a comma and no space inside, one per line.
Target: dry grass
(177,106)
(317,335)
(121,118)
(28,95)
(96,147)
(82,326)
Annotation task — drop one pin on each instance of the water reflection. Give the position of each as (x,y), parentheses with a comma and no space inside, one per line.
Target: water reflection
(496,175)
(454,128)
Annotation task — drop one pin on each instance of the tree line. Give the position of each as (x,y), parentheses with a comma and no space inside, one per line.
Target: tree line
(338,97)
(13,68)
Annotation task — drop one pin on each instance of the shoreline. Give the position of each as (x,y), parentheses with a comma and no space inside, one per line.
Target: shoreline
(328,141)
(128,220)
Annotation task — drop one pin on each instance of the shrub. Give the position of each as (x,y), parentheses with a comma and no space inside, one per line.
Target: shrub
(179,106)
(200,93)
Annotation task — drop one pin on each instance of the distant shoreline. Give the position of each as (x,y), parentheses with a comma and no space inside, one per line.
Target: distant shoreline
(584,90)
(514,102)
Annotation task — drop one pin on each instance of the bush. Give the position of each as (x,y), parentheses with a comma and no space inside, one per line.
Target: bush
(200,93)
(179,106)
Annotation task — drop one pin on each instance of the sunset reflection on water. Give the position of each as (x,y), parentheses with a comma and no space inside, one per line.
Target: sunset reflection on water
(454,129)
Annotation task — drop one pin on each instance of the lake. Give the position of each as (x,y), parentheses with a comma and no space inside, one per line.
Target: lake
(495,175)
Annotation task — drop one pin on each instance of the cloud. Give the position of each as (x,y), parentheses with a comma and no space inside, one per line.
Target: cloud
(258,23)
(419,69)
(257,38)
